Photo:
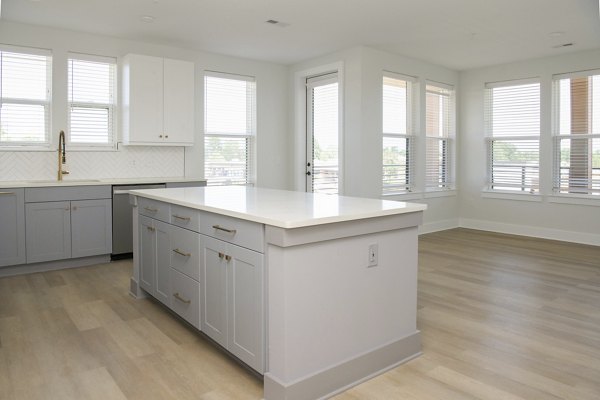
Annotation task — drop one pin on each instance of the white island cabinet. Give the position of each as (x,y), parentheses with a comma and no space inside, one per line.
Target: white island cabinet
(286,281)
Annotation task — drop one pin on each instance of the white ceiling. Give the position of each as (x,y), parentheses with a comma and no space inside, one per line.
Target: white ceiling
(458,34)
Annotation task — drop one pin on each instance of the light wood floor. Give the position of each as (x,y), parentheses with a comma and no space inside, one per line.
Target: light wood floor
(502,317)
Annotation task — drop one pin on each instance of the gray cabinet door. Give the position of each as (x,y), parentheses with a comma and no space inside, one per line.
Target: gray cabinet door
(147,238)
(12,227)
(163,262)
(214,284)
(245,303)
(48,231)
(91,227)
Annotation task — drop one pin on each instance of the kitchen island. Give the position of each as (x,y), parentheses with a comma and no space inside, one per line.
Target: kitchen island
(315,292)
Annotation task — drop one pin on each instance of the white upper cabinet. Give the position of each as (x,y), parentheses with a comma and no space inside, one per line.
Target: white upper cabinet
(157,101)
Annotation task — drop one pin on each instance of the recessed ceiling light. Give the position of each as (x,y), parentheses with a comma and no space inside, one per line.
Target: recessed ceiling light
(556,34)
(147,18)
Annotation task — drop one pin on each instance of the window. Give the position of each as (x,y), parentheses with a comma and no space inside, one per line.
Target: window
(439,132)
(322,136)
(24,96)
(512,120)
(577,133)
(91,86)
(230,128)
(398,134)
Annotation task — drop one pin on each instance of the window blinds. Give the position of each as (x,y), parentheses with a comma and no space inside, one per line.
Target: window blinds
(91,87)
(25,97)
(398,134)
(439,130)
(576,110)
(230,126)
(512,119)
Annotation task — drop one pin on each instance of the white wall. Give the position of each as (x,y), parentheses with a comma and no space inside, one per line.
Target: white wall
(362,124)
(272,140)
(544,218)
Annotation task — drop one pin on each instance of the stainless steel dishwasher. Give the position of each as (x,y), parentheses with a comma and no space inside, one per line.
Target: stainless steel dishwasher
(122,220)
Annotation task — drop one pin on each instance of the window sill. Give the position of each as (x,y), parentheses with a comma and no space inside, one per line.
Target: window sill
(489,194)
(582,199)
(27,148)
(403,196)
(439,193)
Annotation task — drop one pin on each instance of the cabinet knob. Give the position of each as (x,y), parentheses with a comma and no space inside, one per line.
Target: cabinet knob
(74,208)
(221,255)
(68,209)
(228,258)
(160,136)
(166,136)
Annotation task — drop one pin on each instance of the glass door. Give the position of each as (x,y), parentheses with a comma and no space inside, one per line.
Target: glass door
(322,134)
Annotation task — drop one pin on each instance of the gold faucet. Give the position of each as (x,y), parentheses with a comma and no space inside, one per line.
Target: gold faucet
(62,156)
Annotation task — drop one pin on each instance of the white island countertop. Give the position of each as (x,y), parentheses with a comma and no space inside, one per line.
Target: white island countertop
(280,208)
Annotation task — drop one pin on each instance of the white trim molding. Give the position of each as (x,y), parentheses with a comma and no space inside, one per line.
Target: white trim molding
(533,231)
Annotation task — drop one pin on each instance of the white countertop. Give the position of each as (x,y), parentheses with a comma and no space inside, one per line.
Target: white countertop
(91,182)
(281,208)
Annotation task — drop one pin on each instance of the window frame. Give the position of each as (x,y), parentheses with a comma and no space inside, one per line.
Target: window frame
(250,138)
(111,107)
(448,183)
(47,103)
(410,136)
(490,139)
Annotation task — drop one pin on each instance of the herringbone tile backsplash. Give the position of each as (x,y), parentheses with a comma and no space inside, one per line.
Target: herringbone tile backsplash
(127,162)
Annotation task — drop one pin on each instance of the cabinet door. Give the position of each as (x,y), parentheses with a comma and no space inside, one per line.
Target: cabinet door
(163,262)
(214,285)
(245,306)
(147,243)
(12,227)
(178,116)
(91,227)
(143,99)
(48,231)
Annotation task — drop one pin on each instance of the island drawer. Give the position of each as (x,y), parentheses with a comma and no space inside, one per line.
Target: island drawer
(153,208)
(185,297)
(233,230)
(185,217)
(185,253)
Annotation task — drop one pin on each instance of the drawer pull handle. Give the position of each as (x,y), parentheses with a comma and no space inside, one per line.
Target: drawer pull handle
(181,299)
(221,255)
(7,193)
(228,258)
(151,229)
(150,209)
(181,253)
(220,228)
(181,218)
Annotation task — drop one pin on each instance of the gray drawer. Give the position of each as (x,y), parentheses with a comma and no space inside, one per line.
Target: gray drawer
(185,252)
(66,193)
(233,230)
(185,217)
(155,209)
(185,297)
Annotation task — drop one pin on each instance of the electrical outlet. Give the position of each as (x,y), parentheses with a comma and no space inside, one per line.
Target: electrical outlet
(373,255)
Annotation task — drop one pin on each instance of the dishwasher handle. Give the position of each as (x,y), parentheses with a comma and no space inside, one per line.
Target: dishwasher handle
(117,192)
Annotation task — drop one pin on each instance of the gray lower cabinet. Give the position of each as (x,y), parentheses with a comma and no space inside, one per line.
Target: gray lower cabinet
(155,258)
(59,230)
(48,230)
(233,303)
(12,227)
(91,227)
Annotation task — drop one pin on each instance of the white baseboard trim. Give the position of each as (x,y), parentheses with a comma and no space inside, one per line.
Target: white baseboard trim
(437,226)
(338,378)
(533,231)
